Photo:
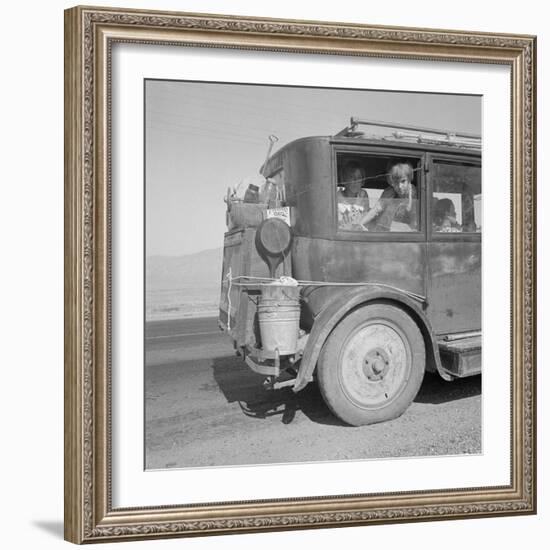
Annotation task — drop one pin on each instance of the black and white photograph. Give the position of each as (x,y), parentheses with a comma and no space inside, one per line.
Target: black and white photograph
(312,274)
(288,305)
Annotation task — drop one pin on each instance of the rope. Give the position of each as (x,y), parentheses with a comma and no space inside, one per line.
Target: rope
(376,176)
(264,281)
(307,188)
(230,279)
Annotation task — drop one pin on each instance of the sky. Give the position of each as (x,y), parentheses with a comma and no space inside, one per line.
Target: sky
(202,138)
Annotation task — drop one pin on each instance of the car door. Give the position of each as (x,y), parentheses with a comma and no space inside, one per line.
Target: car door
(454,243)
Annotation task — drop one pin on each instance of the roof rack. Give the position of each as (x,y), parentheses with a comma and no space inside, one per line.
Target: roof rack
(419,134)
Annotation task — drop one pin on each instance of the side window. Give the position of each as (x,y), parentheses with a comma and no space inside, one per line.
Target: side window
(456,201)
(377,193)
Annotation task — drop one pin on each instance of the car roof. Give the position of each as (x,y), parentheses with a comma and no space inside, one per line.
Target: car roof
(385,142)
(394,135)
(421,144)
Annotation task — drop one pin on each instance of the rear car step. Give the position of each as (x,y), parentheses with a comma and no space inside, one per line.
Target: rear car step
(461,357)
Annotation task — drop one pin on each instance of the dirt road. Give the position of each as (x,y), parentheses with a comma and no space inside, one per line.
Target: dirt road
(204,407)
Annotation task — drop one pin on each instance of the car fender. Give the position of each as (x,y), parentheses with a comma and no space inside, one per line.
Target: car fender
(336,310)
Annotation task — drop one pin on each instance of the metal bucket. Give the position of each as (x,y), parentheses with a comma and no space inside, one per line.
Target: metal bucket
(279,316)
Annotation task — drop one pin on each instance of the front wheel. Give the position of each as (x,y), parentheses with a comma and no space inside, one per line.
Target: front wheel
(372,365)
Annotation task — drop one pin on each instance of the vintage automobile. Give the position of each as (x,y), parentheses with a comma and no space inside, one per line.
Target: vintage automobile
(379,302)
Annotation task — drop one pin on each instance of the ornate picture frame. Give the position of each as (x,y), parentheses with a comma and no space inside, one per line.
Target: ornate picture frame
(90,34)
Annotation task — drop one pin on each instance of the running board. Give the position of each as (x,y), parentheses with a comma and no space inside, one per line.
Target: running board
(461,335)
(461,357)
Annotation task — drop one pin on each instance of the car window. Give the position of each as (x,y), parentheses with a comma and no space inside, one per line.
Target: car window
(456,200)
(377,193)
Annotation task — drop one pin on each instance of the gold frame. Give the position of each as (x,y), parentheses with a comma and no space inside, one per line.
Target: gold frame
(89,35)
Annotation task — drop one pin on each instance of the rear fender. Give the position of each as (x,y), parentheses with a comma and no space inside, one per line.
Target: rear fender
(336,310)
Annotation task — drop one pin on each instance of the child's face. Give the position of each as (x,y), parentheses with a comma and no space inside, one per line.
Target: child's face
(451,216)
(402,186)
(354,181)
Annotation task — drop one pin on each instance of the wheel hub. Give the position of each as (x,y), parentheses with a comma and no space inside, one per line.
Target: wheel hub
(376,364)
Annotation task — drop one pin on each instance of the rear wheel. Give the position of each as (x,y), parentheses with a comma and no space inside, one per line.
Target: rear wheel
(372,365)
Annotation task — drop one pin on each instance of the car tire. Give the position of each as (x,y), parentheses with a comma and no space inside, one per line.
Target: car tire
(372,365)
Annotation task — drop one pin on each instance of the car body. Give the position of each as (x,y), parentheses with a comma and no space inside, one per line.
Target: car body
(415,286)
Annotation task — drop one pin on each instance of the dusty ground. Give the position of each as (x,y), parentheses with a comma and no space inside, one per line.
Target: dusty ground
(204,407)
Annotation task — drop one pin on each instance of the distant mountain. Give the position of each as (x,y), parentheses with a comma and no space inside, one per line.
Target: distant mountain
(172,272)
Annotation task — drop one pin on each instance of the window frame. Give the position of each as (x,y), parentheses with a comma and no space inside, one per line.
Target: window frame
(380,151)
(431,160)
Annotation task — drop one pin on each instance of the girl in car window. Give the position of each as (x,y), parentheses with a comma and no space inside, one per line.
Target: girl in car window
(444,219)
(397,202)
(353,200)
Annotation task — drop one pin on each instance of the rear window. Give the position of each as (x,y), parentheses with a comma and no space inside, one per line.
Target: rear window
(457,199)
(378,193)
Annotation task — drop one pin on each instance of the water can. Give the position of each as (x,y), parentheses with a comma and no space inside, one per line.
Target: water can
(252,194)
(279,317)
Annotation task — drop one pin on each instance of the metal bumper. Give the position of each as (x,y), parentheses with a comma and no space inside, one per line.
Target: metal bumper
(263,362)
